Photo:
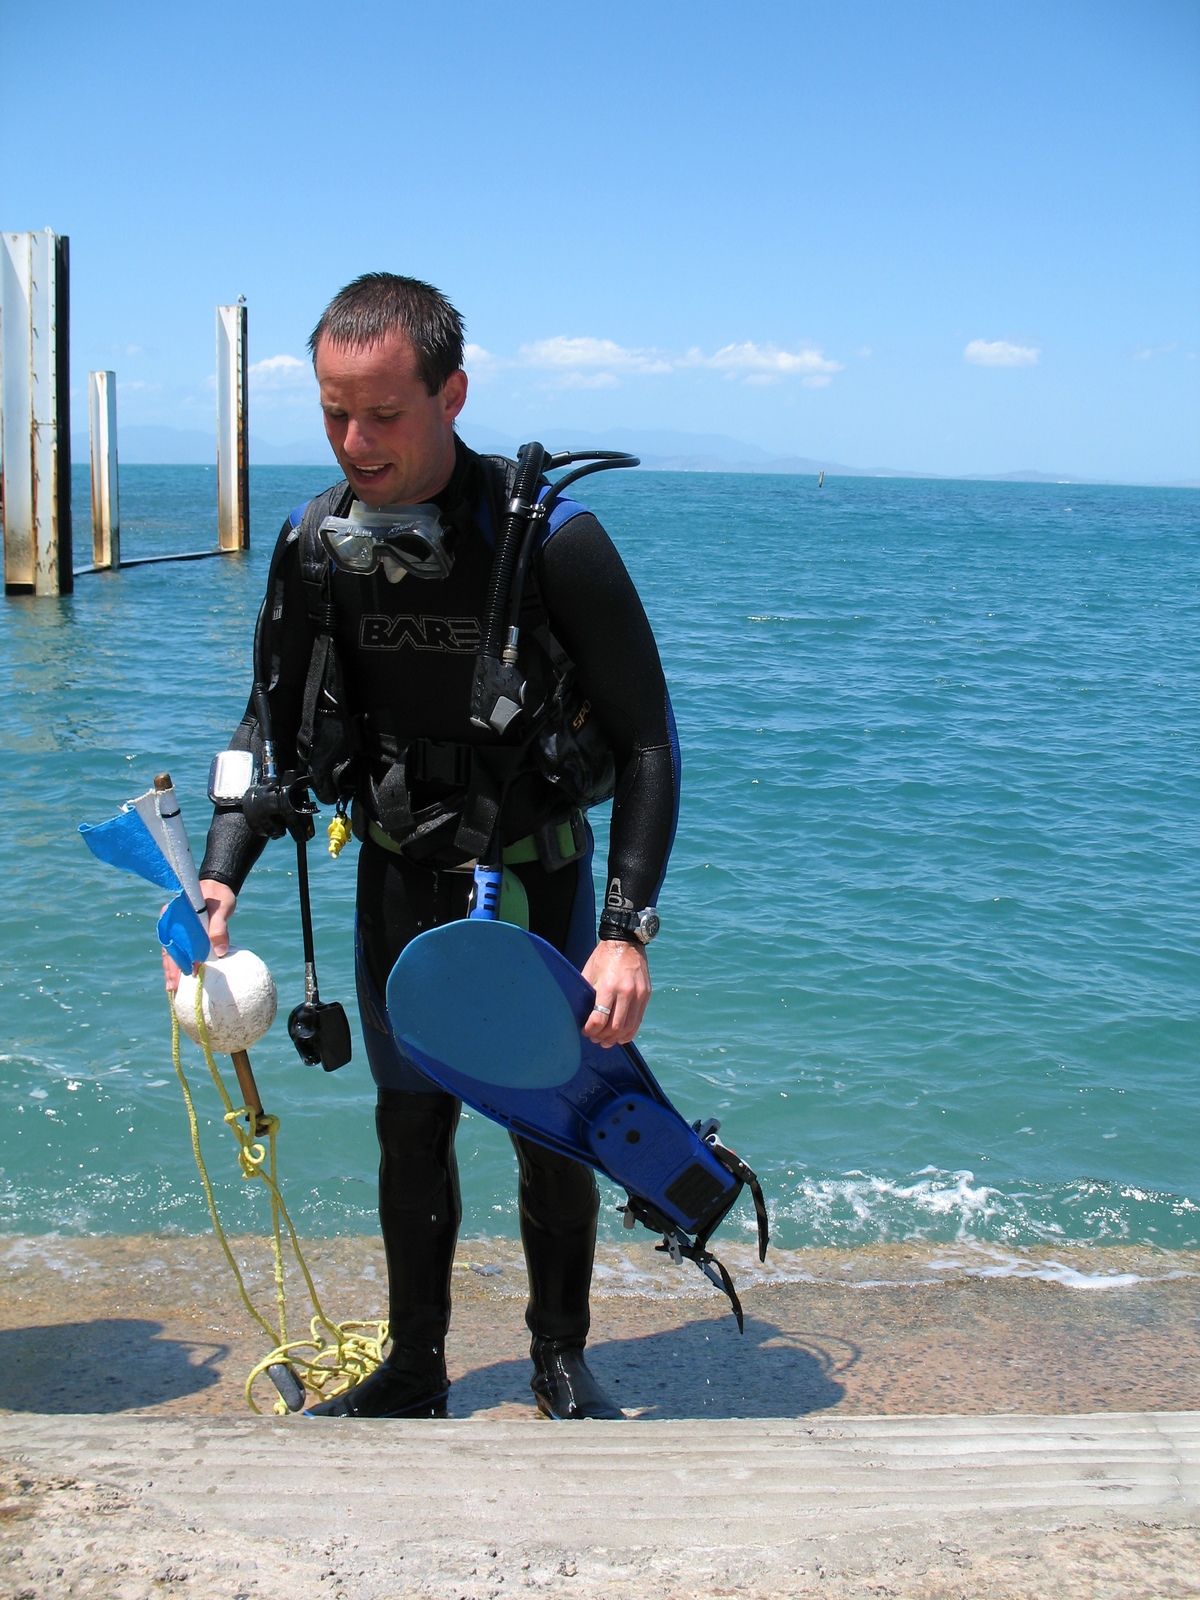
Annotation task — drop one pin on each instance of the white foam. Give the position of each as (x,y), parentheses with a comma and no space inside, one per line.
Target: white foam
(1003,1264)
(859,1203)
(954,1208)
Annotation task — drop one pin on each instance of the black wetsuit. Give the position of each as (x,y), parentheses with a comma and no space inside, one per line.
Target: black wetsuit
(408,652)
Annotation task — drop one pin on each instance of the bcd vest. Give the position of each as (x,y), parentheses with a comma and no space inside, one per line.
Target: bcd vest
(349,759)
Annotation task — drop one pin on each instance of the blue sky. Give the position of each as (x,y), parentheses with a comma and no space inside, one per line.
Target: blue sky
(946,237)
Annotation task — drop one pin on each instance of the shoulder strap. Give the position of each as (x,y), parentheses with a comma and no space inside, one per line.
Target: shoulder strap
(499,475)
(314,561)
(318,598)
(534,616)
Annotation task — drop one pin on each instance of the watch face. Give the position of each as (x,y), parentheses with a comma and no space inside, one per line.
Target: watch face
(648,925)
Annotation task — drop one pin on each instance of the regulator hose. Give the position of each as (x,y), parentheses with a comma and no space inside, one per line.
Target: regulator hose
(497,688)
(597,461)
(530,460)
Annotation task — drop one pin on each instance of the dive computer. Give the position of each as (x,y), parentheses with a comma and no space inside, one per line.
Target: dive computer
(641,925)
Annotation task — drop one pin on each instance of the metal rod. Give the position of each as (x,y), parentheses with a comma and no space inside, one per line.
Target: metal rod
(153,561)
(250,1094)
(106,513)
(35,412)
(233,440)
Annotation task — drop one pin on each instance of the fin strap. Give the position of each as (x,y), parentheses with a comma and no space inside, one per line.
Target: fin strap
(734,1164)
(706,1261)
(675,1244)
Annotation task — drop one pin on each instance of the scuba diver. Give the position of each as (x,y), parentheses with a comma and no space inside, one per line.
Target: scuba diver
(370,658)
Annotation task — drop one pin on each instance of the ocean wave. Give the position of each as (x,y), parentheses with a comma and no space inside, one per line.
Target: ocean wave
(638,1270)
(936,1206)
(1001,1264)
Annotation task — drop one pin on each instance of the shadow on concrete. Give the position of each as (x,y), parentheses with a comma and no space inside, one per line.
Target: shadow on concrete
(700,1369)
(110,1364)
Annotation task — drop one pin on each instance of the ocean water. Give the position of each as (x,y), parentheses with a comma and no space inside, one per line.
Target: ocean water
(931,942)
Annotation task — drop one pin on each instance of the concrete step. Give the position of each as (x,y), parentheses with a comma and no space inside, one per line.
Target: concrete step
(621,1486)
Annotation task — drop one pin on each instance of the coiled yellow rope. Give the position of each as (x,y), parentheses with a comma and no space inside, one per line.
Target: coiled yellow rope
(336,1354)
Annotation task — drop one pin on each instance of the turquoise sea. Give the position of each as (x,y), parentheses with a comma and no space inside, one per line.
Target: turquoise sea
(931,942)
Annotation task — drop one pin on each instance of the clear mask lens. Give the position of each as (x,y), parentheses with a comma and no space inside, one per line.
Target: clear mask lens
(348,547)
(402,539)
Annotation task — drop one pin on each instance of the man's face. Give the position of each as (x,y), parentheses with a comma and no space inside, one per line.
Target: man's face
(393,439)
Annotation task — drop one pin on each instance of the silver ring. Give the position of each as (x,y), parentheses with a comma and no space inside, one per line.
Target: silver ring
(605,1011)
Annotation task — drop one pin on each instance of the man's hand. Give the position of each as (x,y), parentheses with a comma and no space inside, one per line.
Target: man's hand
(620,975)
(221,902)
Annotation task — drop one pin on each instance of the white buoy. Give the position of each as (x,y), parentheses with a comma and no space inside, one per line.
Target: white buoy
(238,1004)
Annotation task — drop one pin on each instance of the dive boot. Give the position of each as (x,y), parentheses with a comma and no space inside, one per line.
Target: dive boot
(559,1203)
(419,1214)
(564,1386)
(396,1389)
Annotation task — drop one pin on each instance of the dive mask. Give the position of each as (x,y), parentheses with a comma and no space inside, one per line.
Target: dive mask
(400,539)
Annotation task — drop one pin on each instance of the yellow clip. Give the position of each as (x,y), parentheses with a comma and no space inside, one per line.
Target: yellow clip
(339,835)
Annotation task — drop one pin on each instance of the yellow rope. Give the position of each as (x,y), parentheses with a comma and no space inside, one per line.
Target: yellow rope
(336,1354)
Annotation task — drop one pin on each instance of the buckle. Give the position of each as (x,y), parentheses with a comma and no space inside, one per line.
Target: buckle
(433,761)
(555,851)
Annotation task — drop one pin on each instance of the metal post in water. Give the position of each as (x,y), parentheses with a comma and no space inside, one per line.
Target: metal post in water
(35,412)
(233,452)
(106,507)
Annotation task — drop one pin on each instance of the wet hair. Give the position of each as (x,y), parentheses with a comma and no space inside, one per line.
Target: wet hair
(379,303)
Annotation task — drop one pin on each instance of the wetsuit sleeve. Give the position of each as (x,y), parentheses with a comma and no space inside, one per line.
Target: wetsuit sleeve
(595,612)
(232,847)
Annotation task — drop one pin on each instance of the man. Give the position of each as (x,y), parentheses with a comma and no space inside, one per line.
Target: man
(388,359)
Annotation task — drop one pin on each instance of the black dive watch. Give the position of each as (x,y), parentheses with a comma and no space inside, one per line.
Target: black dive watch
(634,927)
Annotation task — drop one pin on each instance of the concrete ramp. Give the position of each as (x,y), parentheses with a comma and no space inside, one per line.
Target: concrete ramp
(624,1485)
(1063,1508)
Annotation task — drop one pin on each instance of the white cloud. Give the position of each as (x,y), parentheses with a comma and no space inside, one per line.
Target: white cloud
(589,380)
(1000,353)
(281,373)
(767,363)
(584,362)
(1155,350)
(591,363)
(282,381)
(587,354)
(478,361)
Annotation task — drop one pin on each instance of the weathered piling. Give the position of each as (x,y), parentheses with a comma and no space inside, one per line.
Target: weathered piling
(106,506)
(233,452)
(35,412)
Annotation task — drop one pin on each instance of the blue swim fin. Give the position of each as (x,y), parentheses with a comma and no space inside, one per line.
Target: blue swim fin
(495,1015)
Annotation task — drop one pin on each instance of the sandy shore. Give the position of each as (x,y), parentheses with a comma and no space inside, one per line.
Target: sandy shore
(144,1334)
(152,1323)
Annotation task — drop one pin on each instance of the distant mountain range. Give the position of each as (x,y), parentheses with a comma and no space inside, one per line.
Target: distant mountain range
(665,450)
(143,444)
(660,450)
